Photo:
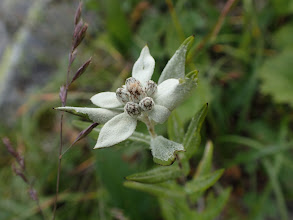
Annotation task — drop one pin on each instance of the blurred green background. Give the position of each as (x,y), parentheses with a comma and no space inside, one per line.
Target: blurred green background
(245,57)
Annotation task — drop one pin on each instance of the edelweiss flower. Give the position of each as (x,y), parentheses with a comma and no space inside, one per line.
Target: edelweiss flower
(140,99)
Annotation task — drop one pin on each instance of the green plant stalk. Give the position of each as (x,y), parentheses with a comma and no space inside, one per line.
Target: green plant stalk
(277,189)
(175,20)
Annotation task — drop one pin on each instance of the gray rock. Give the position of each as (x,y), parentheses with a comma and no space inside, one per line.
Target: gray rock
(39,37)
(3,38)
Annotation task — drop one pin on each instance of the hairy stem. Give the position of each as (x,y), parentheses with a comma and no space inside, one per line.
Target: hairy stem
(150,126)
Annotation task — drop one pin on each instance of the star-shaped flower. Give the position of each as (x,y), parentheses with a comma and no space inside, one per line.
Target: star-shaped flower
(141,99)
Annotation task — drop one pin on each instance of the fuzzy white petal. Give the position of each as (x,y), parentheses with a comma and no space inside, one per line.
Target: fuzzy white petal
(116,130)
(144,67)
(159,114)
(98,115)
(165,94)
(106,100)
(172,92)
(175,67)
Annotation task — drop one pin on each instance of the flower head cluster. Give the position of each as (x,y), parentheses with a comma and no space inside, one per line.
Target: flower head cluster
(136,97)
(140,99)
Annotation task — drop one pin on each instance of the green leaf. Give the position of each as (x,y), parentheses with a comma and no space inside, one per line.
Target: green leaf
(175,67)
(205,164)
(282,38)
(156,175)
(136,136)
(214,206)
(175,128)
(271,171)
(245,157)
(199,96)
(164,150)
(167,209)
(192,137)
(282,7)
(242,140)
(160,190)
(202,183)
(192,74)
(187,43)
(111,169)
(171,206)
(277,78)
(281,202)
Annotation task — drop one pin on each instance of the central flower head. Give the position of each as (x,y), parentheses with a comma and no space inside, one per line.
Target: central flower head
(135,89)
(136,97)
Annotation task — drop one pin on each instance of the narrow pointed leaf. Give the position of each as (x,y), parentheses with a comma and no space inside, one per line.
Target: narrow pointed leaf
(252,155)
(280,197)
(192,138)
(168,209)
(136,136)
(175,128)
(192,74)
(156,175)
(175,67)
(164,150)
(205,163)
(202,183)
(156,189)
(98,115)
(214,206)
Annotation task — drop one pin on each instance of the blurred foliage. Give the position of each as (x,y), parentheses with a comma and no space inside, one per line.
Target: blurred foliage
(245,76)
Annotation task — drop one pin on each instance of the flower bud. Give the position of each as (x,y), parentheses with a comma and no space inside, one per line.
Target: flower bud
(132,109)
(135,89)
(147,104)
(150,88)
(122,95)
